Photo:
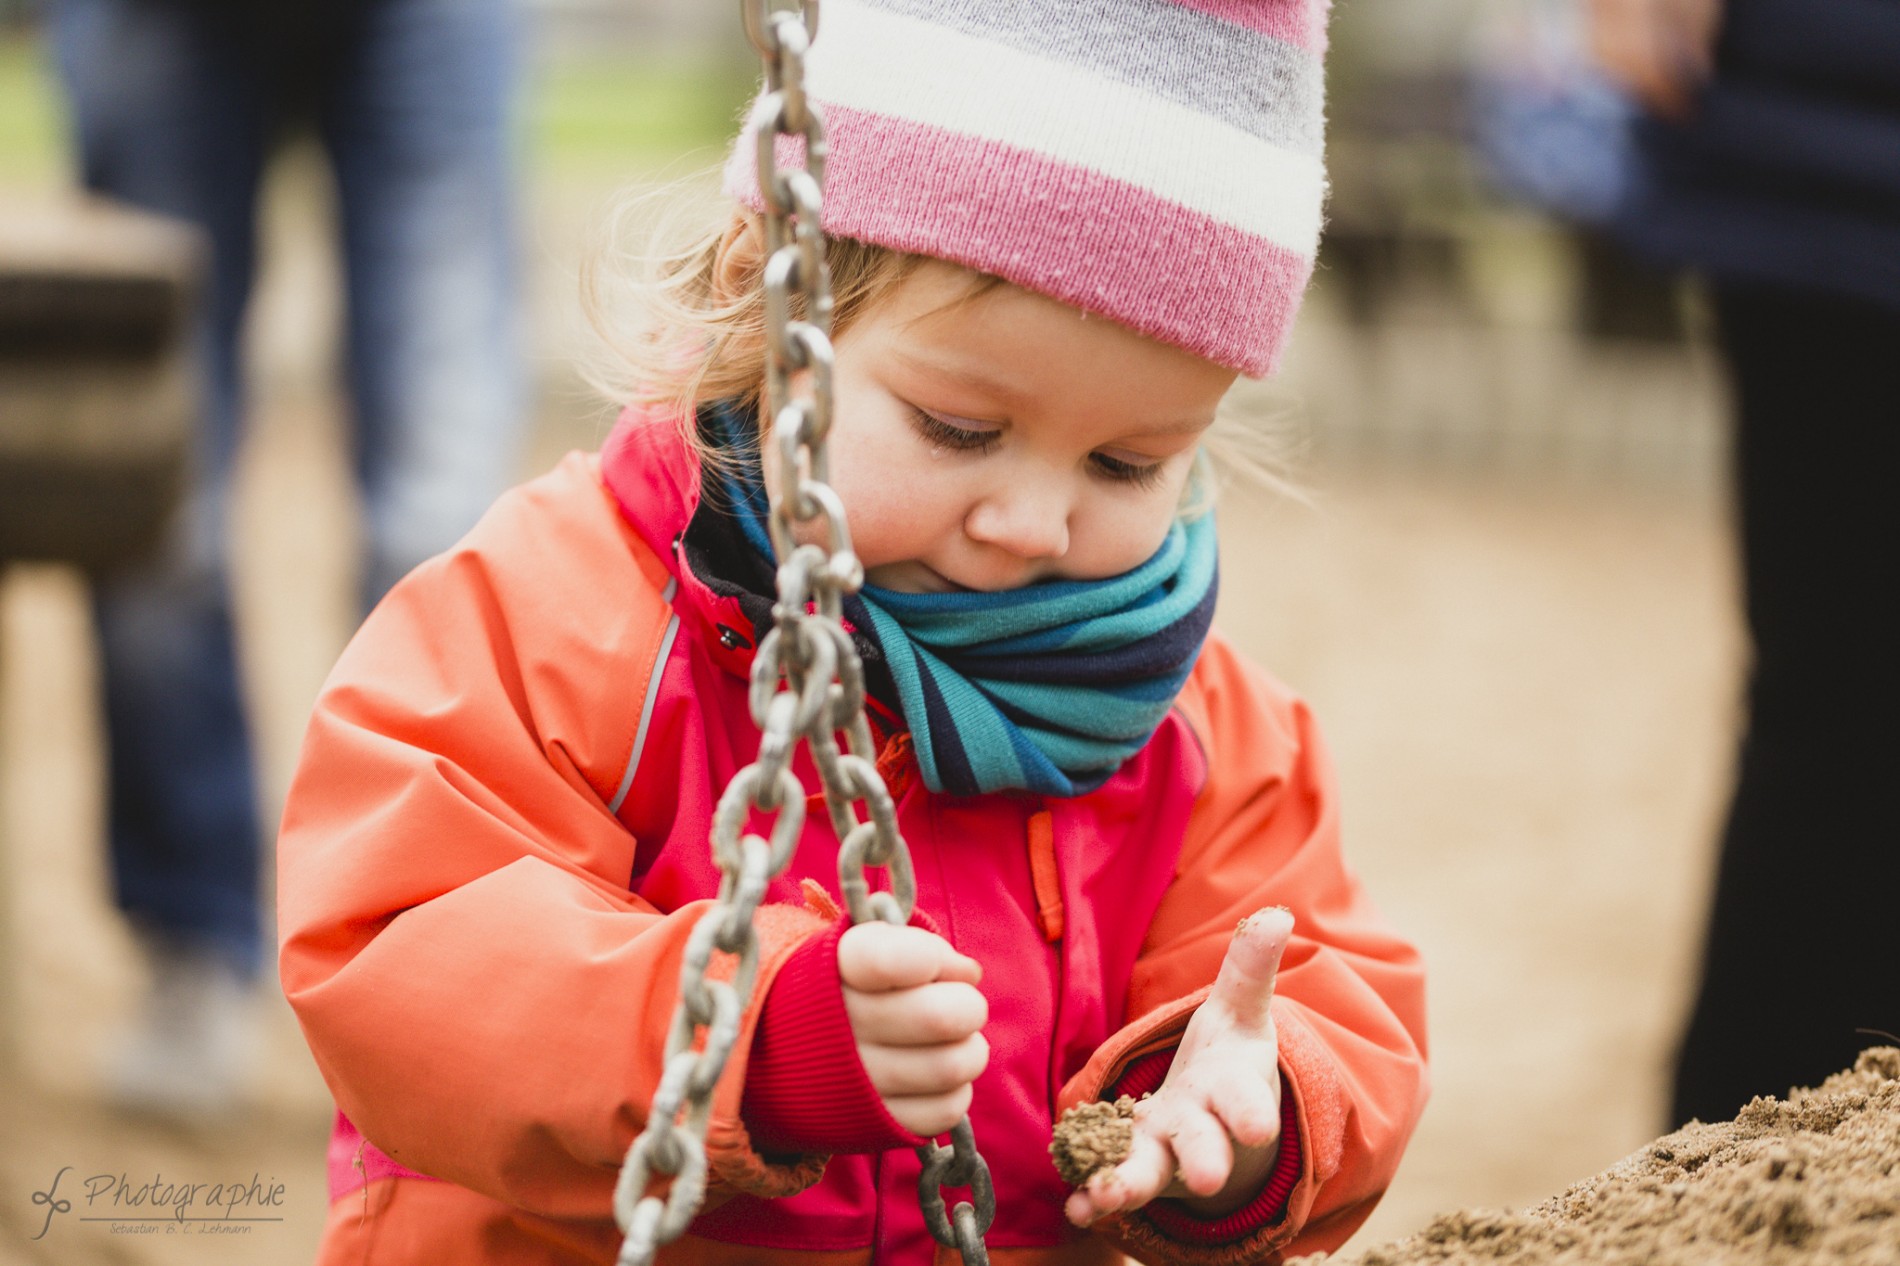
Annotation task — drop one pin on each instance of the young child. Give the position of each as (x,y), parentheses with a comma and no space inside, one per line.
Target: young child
(1061,231)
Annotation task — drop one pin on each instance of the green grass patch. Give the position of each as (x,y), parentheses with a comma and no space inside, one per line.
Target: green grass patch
(32,121)
(618,107)
(625,107)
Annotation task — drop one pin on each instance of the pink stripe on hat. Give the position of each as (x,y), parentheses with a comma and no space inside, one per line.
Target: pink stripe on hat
(1301,22)
(1071,233)
(1186,207)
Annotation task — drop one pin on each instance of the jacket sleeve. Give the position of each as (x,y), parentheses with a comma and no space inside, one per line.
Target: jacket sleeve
(1348,1004)
(486,999)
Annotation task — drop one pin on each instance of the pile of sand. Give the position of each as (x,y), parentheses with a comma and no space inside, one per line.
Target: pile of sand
(1810,1180)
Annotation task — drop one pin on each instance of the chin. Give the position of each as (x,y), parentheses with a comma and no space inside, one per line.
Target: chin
(914,577)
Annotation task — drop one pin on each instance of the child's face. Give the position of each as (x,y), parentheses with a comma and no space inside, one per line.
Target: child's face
(999,440)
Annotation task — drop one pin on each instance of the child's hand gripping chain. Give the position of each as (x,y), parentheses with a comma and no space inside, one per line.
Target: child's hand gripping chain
(918,1020)
(1212,1130)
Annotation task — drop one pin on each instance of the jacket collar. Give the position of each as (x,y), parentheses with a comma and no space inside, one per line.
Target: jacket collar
(654,477)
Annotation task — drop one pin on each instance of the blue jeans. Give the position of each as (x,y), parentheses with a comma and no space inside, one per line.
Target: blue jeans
(176,104)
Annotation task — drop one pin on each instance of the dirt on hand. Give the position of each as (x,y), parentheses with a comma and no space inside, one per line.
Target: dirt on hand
(1092,1137)
(1809,1180)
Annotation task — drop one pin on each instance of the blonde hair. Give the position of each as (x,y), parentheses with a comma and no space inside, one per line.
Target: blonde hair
(690,337)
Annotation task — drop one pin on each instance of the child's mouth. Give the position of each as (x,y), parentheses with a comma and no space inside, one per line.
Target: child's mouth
(937,582)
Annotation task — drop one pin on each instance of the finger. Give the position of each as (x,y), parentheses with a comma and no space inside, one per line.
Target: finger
(928,1015)
(930,1115)
(925,1070)
(1245,984)
(1203,1155)
(1249,1108)
(878,956)
(1143,1174)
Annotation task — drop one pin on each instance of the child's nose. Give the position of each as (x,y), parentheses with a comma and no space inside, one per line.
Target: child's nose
(1027,517)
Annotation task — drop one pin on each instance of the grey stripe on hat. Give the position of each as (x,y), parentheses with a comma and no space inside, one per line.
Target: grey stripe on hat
(1249,80)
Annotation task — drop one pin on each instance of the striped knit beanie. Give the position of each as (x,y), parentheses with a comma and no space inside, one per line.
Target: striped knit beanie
(1156,162)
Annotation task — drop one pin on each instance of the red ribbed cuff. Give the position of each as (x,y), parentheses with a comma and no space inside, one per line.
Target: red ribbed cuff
(805,1088)
(1173,1218)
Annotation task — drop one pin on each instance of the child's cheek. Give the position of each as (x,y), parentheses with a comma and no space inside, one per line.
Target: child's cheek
(881,534)
(894,506)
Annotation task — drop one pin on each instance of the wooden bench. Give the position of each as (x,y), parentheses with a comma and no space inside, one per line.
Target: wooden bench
(97,390)
(97,403)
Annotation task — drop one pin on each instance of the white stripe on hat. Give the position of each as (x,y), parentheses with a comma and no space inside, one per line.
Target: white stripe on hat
(906,68)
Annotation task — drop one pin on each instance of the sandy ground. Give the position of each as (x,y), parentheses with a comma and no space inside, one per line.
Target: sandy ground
(1809,1179)
(1525,660)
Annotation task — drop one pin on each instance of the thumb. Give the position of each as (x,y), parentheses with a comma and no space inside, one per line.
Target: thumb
(1245,984)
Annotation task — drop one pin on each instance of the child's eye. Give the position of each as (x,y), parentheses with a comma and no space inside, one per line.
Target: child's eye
(1121,472)
(938,431)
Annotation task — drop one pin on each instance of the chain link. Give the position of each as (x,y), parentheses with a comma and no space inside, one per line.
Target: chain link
(959,1165)
(807,682)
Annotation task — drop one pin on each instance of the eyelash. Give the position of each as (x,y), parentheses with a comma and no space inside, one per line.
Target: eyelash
(936,430)
(1139,477)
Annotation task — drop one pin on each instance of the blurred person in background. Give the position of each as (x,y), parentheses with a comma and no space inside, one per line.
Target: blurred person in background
(1769,159)
(176,105)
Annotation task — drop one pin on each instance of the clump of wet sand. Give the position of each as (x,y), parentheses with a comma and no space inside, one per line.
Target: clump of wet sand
(1092,1137)
(1810,1180)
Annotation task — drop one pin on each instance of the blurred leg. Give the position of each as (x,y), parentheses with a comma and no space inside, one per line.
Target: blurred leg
(1800,944)
(166,117)
(419,124)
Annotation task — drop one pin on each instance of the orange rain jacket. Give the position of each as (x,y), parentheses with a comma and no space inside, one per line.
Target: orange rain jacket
(495,847)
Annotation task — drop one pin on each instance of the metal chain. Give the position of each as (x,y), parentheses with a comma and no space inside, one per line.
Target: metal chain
(820,696)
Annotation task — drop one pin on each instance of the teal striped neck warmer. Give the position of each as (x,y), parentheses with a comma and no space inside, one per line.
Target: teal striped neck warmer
(1047,688)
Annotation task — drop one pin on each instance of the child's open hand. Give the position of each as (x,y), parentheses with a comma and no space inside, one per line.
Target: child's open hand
(1212,1132)
(918,1020)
